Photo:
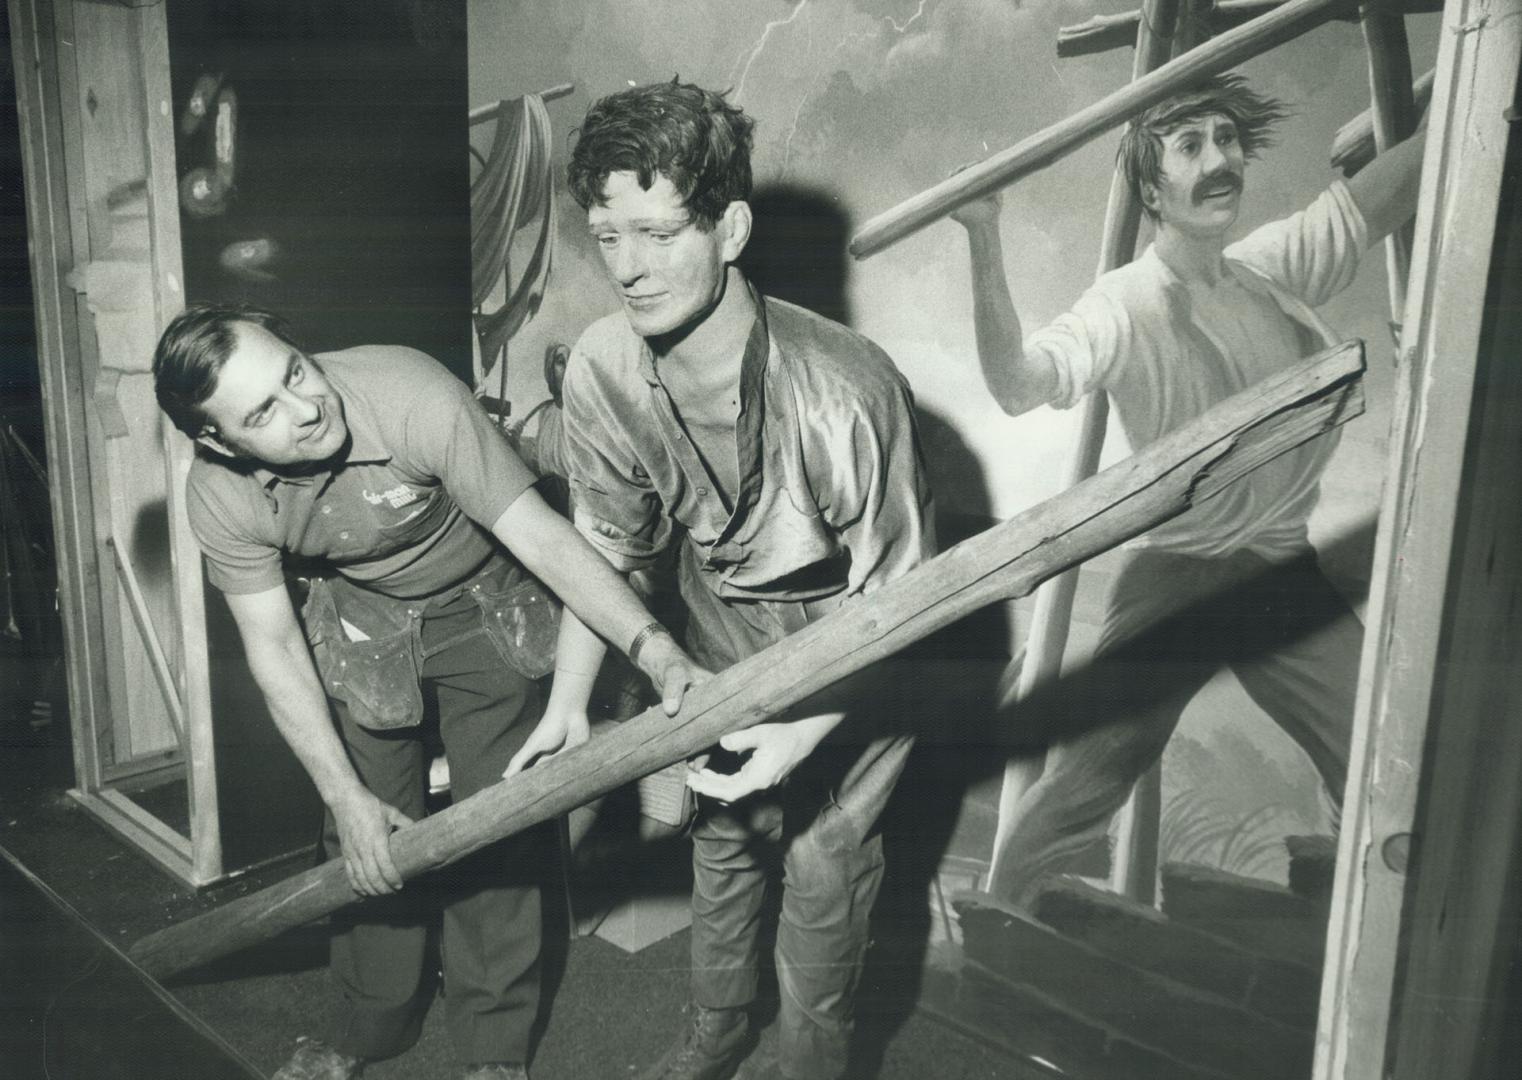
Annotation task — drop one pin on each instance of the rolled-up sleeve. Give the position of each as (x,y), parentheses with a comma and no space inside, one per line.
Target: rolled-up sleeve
(613,503)
(1313,254)
(1085,346)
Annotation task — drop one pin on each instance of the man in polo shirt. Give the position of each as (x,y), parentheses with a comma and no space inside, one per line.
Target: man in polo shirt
(379,471)
(779,451)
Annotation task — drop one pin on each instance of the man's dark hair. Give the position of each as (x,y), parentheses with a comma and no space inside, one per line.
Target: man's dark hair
(689,135)
(192,351)
(1141,148)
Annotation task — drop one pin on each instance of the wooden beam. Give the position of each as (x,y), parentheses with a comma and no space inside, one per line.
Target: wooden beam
(1053,143)
(1353,145)
(1052,616)
(1421,544)
(1135,495)
(1102,33)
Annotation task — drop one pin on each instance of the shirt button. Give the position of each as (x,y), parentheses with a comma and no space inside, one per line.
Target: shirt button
(343,536)
(702,491)
(327,509)
(680,437)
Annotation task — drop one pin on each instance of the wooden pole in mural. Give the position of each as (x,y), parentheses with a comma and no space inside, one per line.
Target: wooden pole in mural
(1055,142)
(1052,616)
(1010,559)
(1392,107)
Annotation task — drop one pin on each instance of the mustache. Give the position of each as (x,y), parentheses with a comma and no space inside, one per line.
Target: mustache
(1223,178)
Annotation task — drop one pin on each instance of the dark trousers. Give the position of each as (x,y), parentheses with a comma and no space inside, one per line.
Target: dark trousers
(1172,622)
(491,900)
(821,824)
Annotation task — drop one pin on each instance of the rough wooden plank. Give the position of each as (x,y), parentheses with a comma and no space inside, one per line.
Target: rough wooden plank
(1052,143)
(1009,559)
(1476,83)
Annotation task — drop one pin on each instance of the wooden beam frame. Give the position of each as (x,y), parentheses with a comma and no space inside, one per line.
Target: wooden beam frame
(1403,659)
(1008,560)
(45,43)
(40,107)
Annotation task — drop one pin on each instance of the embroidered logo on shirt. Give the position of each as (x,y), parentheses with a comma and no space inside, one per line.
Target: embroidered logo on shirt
(397,497)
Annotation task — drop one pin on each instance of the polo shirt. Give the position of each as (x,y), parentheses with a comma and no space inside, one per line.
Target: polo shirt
(405,512)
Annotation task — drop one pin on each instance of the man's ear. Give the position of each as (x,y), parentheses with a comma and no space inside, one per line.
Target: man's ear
(1149,196)
(735,221)
(213,442)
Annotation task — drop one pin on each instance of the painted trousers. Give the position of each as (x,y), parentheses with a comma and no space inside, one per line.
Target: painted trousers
(821,824)
(491,933)
(1172,622)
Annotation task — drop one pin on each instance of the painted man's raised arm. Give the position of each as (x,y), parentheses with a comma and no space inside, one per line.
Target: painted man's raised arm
(1018,380)
(1386,189)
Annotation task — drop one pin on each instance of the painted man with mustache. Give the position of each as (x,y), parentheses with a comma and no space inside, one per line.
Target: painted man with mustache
(1233,583)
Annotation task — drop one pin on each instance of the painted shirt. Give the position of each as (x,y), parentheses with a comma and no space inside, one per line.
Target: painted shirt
(832,498)
(406,513)
(1167,350)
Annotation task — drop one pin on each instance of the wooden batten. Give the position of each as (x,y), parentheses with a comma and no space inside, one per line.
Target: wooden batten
(103,216)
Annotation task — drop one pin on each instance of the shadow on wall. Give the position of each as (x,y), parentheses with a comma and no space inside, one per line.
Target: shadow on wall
(797,251)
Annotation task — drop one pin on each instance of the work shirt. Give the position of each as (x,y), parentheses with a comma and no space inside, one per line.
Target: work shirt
(405,513)
(1167,350)
(832,497)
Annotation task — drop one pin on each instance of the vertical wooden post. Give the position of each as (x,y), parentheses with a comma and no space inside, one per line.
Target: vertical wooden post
(40,89)
(1053,610)
(1406,655)
(186,582)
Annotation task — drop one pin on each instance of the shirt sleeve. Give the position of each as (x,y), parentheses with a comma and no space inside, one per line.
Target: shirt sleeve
(881,504)
(1312,254)
(613,503)
(1086,346)
(450,436)
(237,561)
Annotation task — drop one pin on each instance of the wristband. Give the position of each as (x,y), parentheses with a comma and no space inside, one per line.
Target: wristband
(648,631)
